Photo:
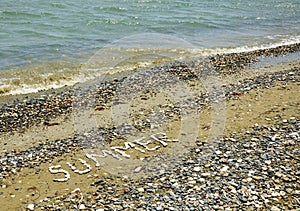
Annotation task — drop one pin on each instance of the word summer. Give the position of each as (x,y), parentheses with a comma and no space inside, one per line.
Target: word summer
(143,144)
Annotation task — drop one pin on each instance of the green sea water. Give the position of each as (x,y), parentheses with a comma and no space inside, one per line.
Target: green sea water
(44,43)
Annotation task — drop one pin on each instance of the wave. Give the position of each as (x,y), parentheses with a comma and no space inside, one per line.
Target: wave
(107,61)
(282,40)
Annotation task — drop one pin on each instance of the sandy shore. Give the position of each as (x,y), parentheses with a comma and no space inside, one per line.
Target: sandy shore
(245,168)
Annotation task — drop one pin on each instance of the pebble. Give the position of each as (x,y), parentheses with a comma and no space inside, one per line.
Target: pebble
(207,174)
(141,190)
(30,206)
(274,208)
(82,207)
(218,152)
(224,168)
(268,162)
(197,169)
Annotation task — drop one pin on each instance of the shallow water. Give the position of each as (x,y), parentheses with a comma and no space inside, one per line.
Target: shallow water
(43,44)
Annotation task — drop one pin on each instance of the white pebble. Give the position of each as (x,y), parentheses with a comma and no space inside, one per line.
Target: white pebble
(218,152)
(141,190)
(249,179)
(30,206)
(205,174)
(137,169)
(225,168)
(274,208)
(197,168)
(202,180)
(82,207)
(268,162)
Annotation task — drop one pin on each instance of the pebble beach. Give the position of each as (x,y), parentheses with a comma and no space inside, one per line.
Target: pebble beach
(253,164)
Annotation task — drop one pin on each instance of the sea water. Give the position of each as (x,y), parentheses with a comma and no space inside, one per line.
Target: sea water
(44,44)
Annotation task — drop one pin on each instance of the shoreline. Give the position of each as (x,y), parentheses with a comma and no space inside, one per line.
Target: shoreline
(55,75)
(222,65)
(264,98)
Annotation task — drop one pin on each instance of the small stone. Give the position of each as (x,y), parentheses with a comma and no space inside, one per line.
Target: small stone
(30,206)
(232,189)
(282,193)
(286,179)
(205,174)
(223,160)
(249,179)
(138,169)
(202,180)
(192,182)
(256,177)
(232,139)
(197,168)
(141,190)
(218,152)
(274,208)
(197,188)
(82,207)
(268,162)
(225,168)
(251,172)
(274,194)
(175,185)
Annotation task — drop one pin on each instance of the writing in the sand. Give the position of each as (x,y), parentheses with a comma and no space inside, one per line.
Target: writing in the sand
(143,144)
